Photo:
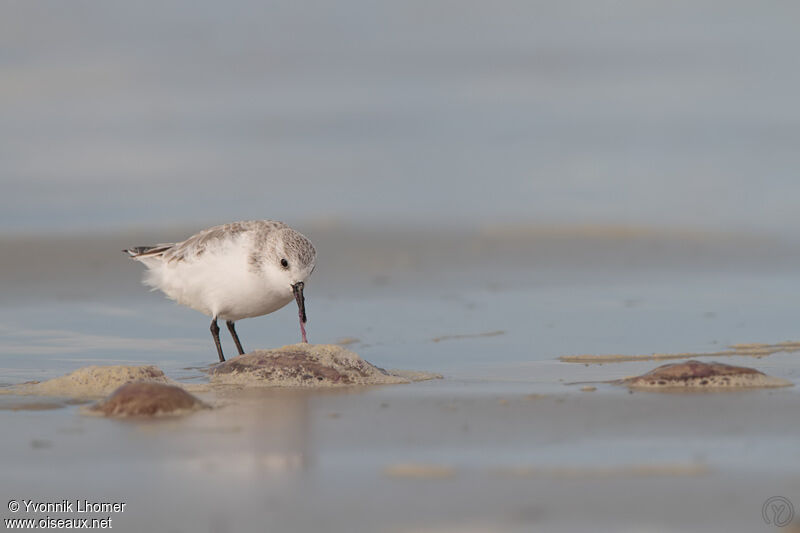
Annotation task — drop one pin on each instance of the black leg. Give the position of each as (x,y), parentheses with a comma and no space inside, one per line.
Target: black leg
(232,329)
(215,333)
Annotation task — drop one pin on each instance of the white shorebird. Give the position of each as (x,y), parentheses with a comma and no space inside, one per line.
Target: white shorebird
(234,271)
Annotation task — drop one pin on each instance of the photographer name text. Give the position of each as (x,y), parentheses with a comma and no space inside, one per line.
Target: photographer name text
(71,506)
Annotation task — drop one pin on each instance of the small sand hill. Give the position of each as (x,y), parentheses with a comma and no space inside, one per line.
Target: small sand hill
(147,399)
(94,381)
(698,375)
(307,365)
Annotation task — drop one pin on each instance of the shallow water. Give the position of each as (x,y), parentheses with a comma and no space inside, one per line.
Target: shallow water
(282,457)
(503,443)
(439,313)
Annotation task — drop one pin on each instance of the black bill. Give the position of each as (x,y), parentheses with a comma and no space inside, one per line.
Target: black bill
(297,288)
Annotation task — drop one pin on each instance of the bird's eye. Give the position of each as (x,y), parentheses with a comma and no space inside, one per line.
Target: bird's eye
(284,263)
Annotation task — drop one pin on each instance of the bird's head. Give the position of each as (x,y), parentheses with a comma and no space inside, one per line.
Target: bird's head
(288,260)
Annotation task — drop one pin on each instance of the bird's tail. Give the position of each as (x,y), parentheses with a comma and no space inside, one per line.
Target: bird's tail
(139,252)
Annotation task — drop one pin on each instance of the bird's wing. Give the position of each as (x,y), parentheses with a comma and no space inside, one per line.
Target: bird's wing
(197,244)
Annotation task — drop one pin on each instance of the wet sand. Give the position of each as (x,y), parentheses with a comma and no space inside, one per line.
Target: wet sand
(512,439)
(425,456)
(755,349)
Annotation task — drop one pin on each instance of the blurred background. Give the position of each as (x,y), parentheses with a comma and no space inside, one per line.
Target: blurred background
(489,185)
(454,114)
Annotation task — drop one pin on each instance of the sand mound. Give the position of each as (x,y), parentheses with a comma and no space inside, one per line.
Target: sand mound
(94,381)
(306,365)
(697,375)
(148,399)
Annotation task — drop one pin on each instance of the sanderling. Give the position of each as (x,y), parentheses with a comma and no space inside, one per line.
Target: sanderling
(234,271)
